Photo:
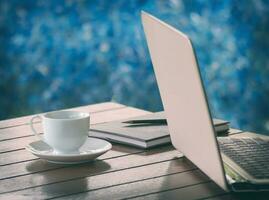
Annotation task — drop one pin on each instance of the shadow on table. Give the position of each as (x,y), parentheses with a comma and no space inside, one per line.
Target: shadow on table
(57,180)
(125,148)
(42,166)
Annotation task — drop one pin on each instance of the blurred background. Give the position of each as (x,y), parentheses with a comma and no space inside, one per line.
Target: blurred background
(66,53)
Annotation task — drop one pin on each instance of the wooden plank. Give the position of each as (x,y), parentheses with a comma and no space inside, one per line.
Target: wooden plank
(23,155)
(251,134)
(19,155)
(152,185)
(129,177)
(16,144)
(120,114)
(121,173)
(25,130)
(204,191)
(18,131)
(22,168)
(195,191)
(242,196)
(99,117)
(95,107)
(227,196)
(34,177)
(16,157)
(234,131)
(96,117)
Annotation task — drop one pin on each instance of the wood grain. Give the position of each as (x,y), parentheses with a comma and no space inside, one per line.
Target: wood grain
(19,156)
(25,119)
(18,131)
(251,134)
(16,157)
(123,172)
(144,187)
(242,196)
(22,168)
(33,179)
(189,192)
(119,179)
(111,114)
(99,117)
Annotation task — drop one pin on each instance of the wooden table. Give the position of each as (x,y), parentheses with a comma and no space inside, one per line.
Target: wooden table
(124,172)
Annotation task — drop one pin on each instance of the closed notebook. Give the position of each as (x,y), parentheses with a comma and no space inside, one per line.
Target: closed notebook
(141,135)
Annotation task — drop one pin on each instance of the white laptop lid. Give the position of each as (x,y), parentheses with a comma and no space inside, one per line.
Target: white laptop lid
(183,97)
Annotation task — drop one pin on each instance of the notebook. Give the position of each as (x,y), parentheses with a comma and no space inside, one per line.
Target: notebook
(143,136)
(221,126)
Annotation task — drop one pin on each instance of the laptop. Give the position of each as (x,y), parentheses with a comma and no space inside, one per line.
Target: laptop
(238,164)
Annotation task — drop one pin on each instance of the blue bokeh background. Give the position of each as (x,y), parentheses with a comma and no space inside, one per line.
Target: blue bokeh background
(65,53)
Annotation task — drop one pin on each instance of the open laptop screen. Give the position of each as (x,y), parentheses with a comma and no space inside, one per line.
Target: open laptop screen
(183,97)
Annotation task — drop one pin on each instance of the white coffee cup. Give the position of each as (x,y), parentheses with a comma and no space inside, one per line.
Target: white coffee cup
(64,131)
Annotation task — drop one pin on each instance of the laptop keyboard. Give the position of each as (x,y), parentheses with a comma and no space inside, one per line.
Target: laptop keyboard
(251,154)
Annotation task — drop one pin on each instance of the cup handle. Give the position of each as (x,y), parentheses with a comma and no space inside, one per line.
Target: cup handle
(33,128)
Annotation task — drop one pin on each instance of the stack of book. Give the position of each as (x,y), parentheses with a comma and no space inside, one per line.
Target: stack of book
(145,131)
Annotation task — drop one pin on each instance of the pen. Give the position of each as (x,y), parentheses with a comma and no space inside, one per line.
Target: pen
(148,121)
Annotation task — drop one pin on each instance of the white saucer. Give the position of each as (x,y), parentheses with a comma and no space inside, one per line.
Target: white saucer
(92,148)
